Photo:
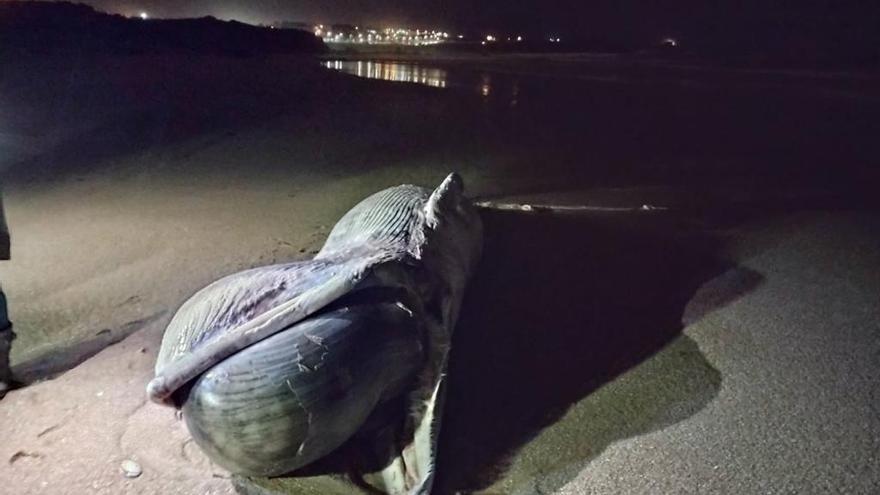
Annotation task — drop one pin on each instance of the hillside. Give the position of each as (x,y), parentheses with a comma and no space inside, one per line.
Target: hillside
(63,27)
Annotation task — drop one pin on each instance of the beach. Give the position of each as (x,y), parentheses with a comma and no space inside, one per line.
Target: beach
(708,325)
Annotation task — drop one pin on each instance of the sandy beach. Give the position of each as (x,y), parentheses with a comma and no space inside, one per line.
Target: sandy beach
(724,341)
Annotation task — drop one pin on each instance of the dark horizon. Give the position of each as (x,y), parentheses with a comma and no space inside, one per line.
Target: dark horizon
(626,19)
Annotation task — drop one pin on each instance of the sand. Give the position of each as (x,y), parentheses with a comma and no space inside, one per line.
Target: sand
(728,344)
(770,387)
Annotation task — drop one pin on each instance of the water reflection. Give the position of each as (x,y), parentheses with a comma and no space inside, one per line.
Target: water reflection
(493,87)
(391,71)
(486,85)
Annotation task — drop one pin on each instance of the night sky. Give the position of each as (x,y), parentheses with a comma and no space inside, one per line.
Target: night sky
(835,32)
(620,18)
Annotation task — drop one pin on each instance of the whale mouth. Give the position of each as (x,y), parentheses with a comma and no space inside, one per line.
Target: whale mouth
(354,306)
(398,295)
(296,396)
(390,404)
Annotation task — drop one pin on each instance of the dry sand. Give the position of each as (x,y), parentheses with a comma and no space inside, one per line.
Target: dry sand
(727,345)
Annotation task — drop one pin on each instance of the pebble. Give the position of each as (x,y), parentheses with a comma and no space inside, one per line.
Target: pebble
(131,469)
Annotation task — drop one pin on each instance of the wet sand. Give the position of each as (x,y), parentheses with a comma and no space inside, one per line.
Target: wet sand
(726,344)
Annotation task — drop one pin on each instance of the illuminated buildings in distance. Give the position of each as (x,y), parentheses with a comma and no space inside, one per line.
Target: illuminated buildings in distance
(387,36)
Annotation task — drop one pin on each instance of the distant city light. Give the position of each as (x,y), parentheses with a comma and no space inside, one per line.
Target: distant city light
(461,36)
(555,40)
(669,42)
(519,38)
(372,36)
(490,38)
(144,16)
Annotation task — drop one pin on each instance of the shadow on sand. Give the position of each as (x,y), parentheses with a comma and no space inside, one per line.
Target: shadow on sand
(560,306)
(62,358)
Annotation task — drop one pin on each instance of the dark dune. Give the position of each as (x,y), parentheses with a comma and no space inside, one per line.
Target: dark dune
(61,27)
